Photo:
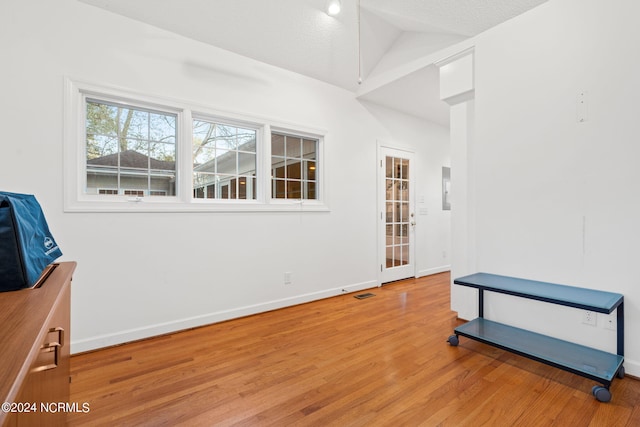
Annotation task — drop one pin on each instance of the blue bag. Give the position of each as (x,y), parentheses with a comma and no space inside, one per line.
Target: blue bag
(26,245)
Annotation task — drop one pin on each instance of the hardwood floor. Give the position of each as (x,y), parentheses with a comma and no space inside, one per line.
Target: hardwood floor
(381,361)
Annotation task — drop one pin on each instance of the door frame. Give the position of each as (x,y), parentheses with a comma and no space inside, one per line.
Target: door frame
(384,149)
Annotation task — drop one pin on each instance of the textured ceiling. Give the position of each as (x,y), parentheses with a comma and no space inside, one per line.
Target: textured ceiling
(299,36)
(461,17)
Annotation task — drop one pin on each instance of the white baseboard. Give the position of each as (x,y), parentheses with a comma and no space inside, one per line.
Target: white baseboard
(434,270)
(107,340)
(632,367)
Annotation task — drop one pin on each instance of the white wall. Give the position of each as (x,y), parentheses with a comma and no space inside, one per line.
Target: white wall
(148,273)
(556,198)
(464,300)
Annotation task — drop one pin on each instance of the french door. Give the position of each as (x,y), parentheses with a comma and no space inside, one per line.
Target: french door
(396,217)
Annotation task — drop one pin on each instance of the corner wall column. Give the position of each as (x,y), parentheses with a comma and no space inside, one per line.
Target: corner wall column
(458,90)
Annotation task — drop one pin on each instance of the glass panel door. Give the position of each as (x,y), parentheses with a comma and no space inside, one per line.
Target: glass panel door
(398,217)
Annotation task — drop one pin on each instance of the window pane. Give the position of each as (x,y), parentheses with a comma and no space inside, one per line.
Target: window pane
(226,161)
(309,149)
(203,185)
(279,189)
(311,170)
(404,166)
(397,168)
(294,190)
(389,210)
(162,152)
(293,169)
(252,191)
(162,128)
(100,179)
(405,212)
(246,187)
(204,159)
(233,188)
(203,134)
(405,254)
(397,256)
(101,119)
(294,145)
(311,191)
(398,234)
(135,124)
(278,172)
(130,158)
(246,163)
(101,145)
(389,189)
(226,137)
(404,191)
(389,234)
(277,145)
(247,140)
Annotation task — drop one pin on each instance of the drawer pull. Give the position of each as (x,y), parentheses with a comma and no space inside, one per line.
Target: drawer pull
(50,347)
(60,332)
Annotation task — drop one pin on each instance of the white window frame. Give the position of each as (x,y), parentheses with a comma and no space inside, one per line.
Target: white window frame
(76,199)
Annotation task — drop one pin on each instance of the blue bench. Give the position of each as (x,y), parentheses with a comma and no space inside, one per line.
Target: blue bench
(588,362)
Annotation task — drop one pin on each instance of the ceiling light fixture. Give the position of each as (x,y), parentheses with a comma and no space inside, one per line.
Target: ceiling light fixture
(333,7)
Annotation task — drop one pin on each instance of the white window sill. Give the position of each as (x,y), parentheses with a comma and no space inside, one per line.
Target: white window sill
(144,205)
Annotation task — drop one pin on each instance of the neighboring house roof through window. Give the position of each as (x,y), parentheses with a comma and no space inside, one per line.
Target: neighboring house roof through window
(132,159)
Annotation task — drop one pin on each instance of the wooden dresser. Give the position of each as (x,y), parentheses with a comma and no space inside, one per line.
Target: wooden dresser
(34,362)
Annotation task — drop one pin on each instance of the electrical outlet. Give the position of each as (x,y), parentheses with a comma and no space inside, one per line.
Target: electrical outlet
(610,323)
(589,318)
(287,278)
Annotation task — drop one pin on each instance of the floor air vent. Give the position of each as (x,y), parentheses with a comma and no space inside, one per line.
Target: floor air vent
(363,296)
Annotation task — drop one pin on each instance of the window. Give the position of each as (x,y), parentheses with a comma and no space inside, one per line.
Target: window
(293,167)
(167,155)
(224,161)
(130,150)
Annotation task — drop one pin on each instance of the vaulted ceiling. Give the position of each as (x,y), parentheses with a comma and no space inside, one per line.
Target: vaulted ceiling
(361,42)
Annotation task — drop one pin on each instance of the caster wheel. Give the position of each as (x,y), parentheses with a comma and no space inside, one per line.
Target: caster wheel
(601,393)
(453,340)
(620,373)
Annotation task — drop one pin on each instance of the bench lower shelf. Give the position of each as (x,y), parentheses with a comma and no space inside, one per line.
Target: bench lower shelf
(588,362)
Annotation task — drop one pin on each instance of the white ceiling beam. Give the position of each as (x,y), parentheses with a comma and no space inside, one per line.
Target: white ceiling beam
(381,79)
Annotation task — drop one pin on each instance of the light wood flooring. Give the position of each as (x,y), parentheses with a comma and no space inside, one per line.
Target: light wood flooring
(381,361)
